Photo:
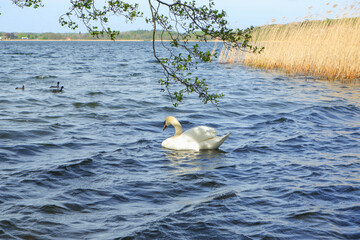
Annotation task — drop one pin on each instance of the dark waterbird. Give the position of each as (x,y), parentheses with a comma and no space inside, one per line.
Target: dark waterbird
(58,90)
(57,86)
(20,88)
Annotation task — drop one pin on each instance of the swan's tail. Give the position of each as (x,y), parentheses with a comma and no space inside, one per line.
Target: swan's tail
(214,143)
(223,138)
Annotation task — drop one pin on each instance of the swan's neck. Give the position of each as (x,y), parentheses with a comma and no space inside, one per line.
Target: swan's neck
(178,129)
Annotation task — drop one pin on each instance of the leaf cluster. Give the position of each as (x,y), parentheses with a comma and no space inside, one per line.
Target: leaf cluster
(28,3)
(190,21)
(96,18)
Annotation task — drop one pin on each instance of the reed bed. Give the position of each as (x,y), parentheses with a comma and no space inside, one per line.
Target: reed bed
(327,49)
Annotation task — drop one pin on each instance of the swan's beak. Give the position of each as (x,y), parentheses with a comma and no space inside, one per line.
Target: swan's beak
(165,126)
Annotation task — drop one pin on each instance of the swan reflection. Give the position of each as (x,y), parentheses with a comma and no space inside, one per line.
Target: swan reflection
(193,161)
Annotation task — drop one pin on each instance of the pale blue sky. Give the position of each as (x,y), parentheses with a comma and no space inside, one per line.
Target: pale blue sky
(241,14)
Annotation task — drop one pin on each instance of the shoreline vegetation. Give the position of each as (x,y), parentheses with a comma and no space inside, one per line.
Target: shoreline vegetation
(316,46)
(139,35)
(324,49)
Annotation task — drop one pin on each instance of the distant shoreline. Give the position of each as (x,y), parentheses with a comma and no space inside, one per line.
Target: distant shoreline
(131,36)
(72,40)
(90,40)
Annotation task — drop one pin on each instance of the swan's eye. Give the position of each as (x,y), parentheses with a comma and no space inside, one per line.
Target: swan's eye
(165,123)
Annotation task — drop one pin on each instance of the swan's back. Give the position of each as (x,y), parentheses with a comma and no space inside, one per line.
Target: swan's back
(201,133)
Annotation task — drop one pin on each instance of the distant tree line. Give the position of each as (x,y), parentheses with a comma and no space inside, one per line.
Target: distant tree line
(131,35)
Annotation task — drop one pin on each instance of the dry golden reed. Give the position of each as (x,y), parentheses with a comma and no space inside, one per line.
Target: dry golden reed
(328,49)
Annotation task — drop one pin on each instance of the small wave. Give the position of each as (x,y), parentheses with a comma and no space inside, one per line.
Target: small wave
(7,224)
(74,207)
(294,142)
(87,194)
(280,78)
(257,149)
(192,176)
(27,149)
(225,195)
(330,114)
(209,184)
(44,76)
(352,109)
(304,215)
(70,171)
(135,74)
(4,101)
(354,208)
(113,200)
(23,134)
(5,157)
(52,209)
(77,164)
(87,105)
(279,120)
(95,93)
(325,193)
(253,117)
(20,53)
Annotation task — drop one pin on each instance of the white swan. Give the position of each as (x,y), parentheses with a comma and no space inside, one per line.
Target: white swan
(197,138)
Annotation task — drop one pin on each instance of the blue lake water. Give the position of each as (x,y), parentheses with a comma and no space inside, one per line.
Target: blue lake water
(88,164)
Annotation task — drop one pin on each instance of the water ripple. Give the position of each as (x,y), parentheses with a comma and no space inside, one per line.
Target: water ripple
(88,163)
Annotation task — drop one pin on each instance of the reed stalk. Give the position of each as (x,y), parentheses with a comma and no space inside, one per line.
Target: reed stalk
(327,49)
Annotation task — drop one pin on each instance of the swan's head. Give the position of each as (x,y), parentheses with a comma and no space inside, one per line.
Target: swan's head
(170,120)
